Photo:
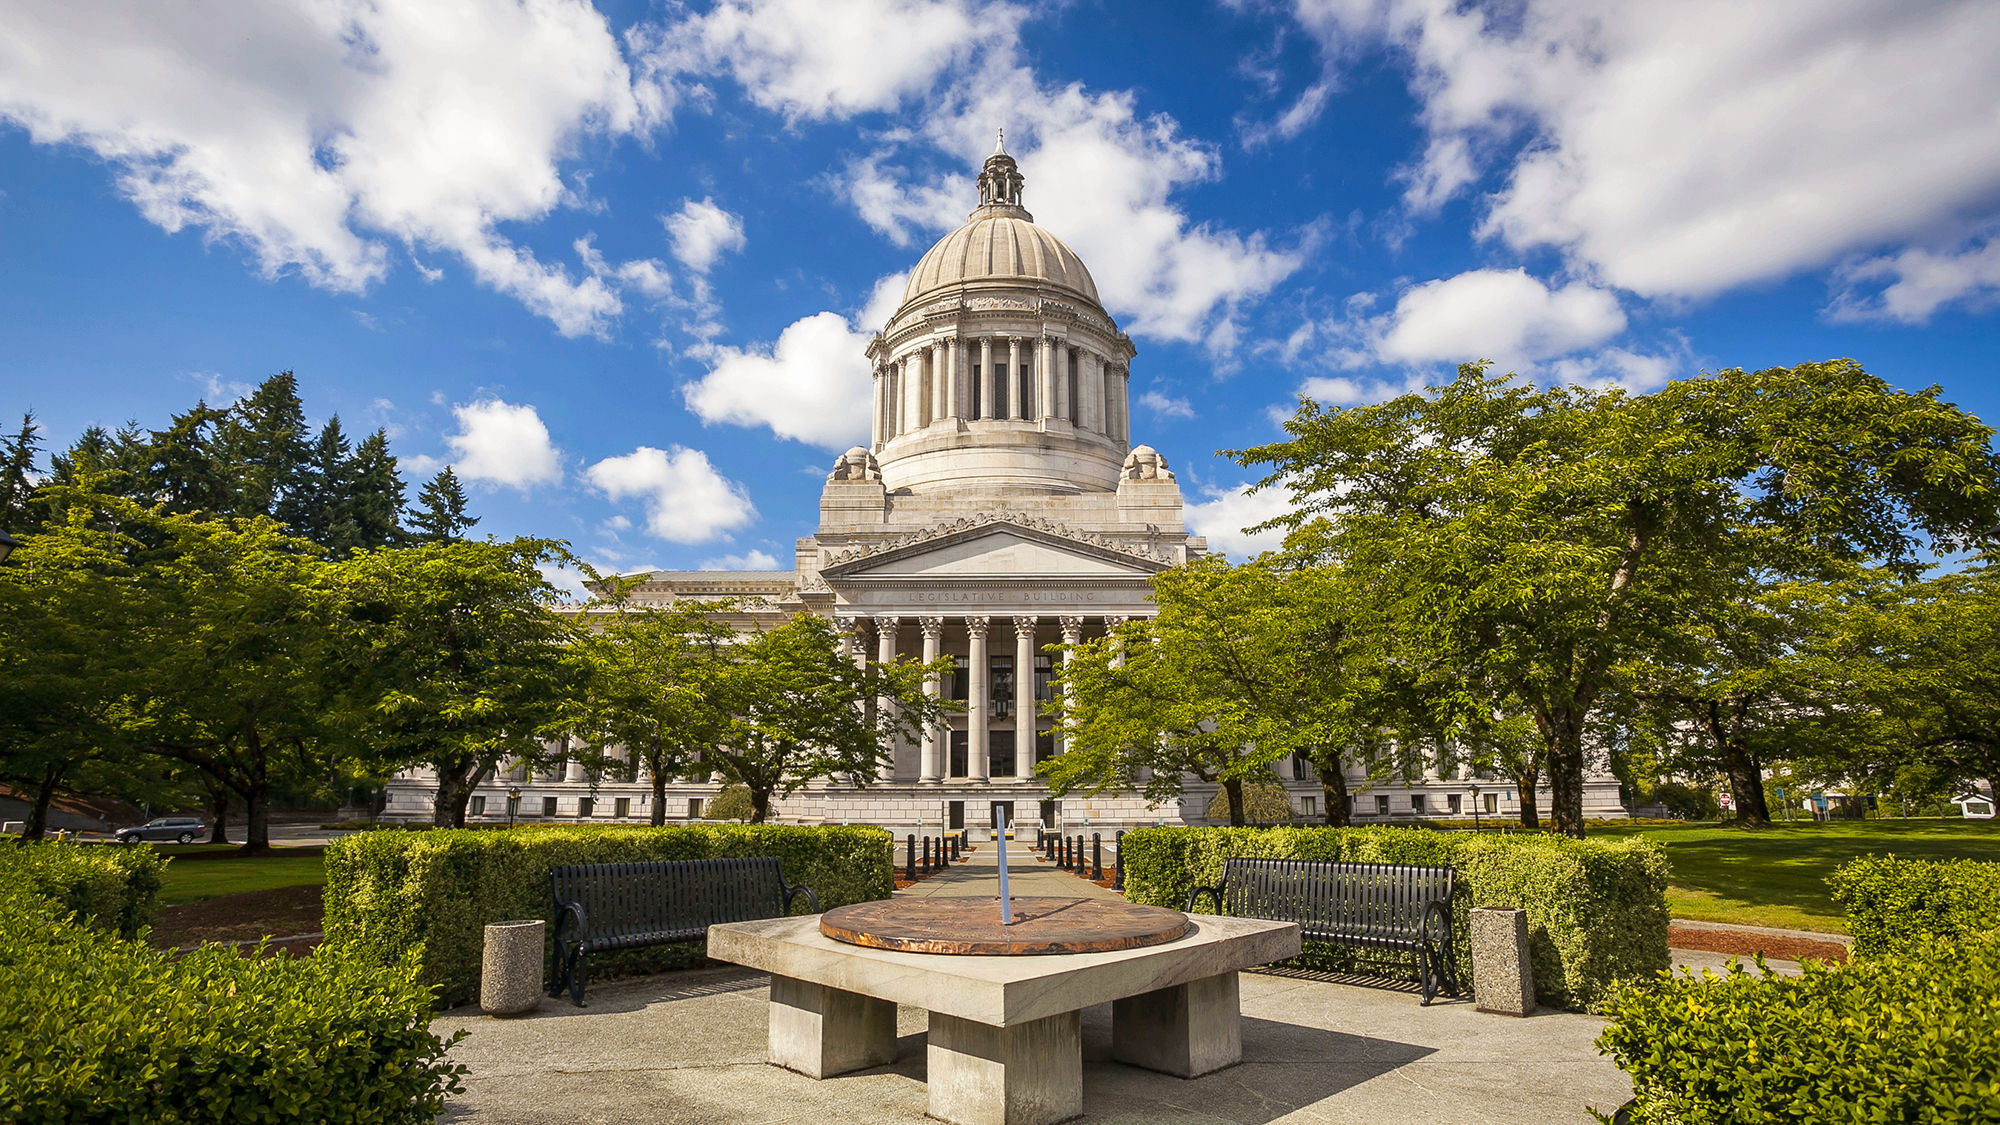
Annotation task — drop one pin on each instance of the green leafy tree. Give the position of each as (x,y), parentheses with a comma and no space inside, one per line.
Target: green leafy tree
(1241,667)
(458,661)
(798,708)
(442,518)
(18,454)
(654,690)
(1544,538)
(1938,678)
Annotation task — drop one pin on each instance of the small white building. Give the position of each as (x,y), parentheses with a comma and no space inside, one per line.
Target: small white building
(999,507)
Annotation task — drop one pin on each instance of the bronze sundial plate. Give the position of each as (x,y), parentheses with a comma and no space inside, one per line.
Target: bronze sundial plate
(972,925)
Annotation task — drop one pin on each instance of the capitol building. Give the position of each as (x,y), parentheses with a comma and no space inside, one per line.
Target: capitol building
(999,508)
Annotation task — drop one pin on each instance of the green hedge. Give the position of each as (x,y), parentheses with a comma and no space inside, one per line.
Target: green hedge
(1899,905)
(97,1028)
(110,887)
(388,893)
(1912,1039)
(1597,911)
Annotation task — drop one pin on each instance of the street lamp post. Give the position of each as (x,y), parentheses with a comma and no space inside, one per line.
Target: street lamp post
(513,802)
(1475,806)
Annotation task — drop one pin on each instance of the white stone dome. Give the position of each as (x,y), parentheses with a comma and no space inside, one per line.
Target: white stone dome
(1000,244)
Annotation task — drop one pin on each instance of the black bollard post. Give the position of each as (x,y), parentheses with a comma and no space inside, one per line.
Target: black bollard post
(1062,853)
(910,860)
(1118,859)
(1096,856)
(930,855)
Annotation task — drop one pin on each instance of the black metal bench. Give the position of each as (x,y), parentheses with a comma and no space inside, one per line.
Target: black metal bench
(1391,906)
(605,906)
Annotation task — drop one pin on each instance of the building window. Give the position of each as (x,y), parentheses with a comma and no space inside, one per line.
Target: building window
(1302,769)
(478,806)
(1000,753)
(1000,685)
(1044,677)
(961,754)
(974,413)
(1382,804)
(959,680)
(1492,801)
(1045,746)
(548,806)
(1417,803)
(1456,802)
(586,805)
(1000,390)
(623,808)
(694,808)
(1309,806)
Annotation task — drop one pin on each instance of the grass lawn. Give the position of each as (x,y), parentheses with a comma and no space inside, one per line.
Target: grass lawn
(1777,877)
(199,873)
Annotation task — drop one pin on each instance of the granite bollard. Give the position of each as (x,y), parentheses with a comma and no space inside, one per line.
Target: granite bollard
(510,972)
(1503,981)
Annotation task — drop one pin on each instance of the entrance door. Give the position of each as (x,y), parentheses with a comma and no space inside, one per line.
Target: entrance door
(957,812)
(1049,814)
(1005,808)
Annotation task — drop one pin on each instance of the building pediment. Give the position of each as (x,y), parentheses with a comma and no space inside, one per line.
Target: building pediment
(998,547)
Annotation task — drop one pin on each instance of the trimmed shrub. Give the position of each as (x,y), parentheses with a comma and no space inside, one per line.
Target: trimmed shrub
(432,893)
(1913,1040)
(1263,803)
(1899,905)
(108,887)
(1597,910)
(100,1029)
(732,803)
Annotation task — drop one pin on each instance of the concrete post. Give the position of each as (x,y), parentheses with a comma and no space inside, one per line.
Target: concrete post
(1503,980)
(1027,1074)
(820,1031)
(934,735)
(510,968)
(1187,1030)
(975,700)
(1024,696)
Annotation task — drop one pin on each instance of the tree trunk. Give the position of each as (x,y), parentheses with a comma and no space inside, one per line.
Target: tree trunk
(659,817)
(45,793)
(1525,781)
(218,811)
(257,832)
(1233,788)
(1333,788)
(760,804)
(1564,735)
(453,792)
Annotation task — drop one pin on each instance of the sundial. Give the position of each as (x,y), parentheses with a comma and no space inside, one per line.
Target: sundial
(973,926)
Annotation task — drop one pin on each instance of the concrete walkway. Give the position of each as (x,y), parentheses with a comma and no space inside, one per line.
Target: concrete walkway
(979,874)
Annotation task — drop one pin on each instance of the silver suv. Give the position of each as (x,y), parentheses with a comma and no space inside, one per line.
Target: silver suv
(179,829)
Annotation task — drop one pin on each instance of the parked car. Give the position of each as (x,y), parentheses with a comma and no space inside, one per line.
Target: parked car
(179,829)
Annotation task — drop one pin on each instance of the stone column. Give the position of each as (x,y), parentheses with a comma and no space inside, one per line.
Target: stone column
(1064,366)
(935,735)
(961,405)
(1014,403)
(1090,412)
(1121,403)
(1072,635)
(975,700)
(1045,380)
(913,391)
(987,384)
(1024,696)
(938,397)
(875,422)
(885,653)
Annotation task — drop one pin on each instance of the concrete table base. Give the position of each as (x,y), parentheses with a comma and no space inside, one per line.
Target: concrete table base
(820,1031)
(1006,1043)
(1187,1031)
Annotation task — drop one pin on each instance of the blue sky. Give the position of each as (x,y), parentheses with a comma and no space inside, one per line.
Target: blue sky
(618,263)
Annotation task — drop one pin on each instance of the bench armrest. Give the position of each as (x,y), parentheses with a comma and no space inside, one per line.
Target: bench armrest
(571,912)
(1214,896)
(794,892)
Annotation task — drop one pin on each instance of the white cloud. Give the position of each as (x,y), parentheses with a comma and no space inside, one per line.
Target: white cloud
(320,134)
(755,560)
(687,500)
(702,233)
(1168,407)
(821,59)
(814,385)
(499,443)
(1502,315)
(1920,282)
(1099,173)
(1222,517)
(1681,149)
(419,467)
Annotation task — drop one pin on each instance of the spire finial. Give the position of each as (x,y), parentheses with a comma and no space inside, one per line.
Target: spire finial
(1000,142)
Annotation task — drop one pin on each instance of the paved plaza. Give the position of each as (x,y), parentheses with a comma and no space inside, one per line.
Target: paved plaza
(689,1047)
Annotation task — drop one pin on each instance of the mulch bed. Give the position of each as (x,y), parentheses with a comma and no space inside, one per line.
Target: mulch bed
(1749,944)
(285,912)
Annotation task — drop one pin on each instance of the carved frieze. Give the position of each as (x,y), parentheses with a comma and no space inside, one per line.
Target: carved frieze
(1146,552)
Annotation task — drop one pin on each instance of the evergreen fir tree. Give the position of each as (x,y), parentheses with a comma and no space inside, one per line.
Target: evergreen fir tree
(317,507)
(183,471)
(442,518)
(375,493)
(264,447)
(17,475)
